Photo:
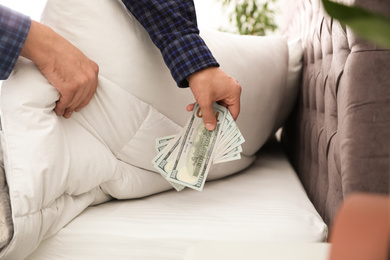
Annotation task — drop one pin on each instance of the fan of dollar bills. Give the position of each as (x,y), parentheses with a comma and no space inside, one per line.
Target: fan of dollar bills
(184,159)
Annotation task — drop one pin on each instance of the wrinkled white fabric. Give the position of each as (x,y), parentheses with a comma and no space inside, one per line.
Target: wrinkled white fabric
(264,203)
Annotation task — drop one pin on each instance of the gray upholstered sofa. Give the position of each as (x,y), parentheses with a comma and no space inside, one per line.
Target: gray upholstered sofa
(338,137)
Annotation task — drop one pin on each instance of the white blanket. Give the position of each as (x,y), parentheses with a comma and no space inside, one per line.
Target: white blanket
(56,167)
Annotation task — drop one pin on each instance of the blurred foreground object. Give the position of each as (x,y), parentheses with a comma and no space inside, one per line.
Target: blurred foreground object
(362,228)
(374,27)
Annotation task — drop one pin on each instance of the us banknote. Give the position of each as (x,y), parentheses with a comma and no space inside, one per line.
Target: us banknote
(185,159)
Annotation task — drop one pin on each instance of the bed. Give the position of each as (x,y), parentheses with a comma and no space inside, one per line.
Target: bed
(104,200)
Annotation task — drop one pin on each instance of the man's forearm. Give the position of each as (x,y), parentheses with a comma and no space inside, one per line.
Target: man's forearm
(173,28)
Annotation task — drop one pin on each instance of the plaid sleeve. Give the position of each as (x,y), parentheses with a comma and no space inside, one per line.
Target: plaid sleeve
(172,27)
(14,28)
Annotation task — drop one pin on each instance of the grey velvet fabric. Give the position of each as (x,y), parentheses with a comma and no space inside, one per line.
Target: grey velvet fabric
(338,136)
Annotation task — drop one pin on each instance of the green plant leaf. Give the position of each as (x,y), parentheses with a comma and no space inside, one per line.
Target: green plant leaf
(254,17)
(371,26)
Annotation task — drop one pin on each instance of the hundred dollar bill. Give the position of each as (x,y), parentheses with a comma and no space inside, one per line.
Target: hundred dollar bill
(164,140)
(227,134)
(198,154)
(235,150)
(161,147)
(195,151)
(234,140)
(229,158)
(227,126)
(225,130)
(163,160)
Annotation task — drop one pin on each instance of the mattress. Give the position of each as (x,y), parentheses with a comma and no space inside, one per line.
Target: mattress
(265,202)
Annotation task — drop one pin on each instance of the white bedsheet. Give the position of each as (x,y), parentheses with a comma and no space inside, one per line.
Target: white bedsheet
(263,203)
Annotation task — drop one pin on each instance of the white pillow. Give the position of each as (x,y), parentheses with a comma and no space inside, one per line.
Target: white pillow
(127,56)
(293,80)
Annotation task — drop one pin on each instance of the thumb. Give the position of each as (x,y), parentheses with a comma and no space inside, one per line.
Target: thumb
(208,116)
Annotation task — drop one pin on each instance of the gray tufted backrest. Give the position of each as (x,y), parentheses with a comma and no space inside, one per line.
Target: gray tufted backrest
(338,137)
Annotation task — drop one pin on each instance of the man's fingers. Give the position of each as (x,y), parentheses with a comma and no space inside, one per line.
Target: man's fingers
(81,92)
(69,101)
(62,104)
(234,110)
(208,117)
(89,96)
(88,87)
(190,107)
(85,102)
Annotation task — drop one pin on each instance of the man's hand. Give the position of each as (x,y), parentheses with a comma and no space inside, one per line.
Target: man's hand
(66,68)
(214,85)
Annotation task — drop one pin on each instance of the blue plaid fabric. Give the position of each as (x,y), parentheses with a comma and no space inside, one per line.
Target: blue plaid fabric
(172,27)
(14,28)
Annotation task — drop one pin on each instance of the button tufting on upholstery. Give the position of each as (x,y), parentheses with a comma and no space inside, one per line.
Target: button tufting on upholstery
(340,130)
